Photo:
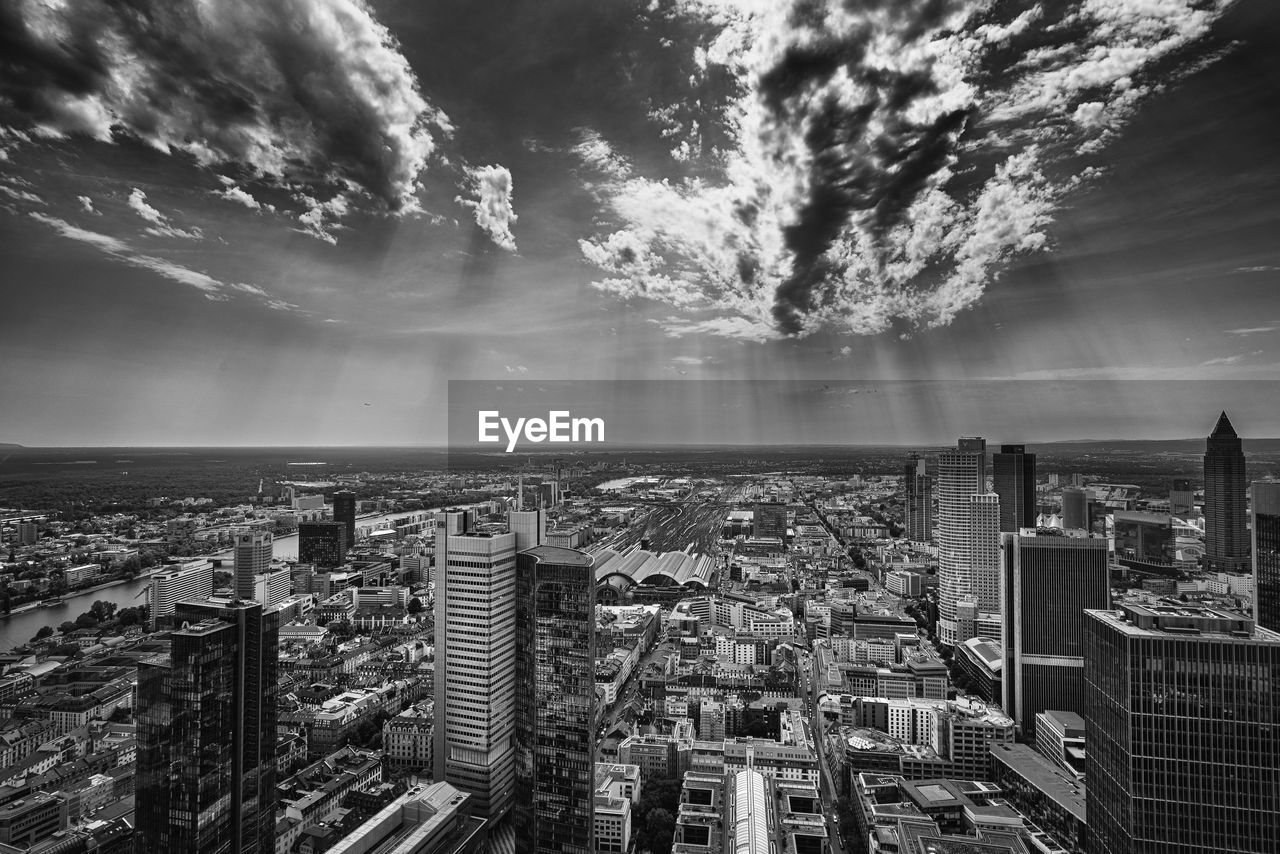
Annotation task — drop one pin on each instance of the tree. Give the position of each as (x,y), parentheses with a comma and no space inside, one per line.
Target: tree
(86,621)
(658,832)
(45,631)
(102,610)
(132,566)
(416,606)
(128,617)
(67,627)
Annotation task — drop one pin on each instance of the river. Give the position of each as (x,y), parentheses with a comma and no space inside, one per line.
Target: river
(20,627)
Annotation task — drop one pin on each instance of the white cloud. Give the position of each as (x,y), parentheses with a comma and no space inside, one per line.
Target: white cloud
(240,196)
(1251,330)
(160,225)
(86,204)
(492,206)
(833,204)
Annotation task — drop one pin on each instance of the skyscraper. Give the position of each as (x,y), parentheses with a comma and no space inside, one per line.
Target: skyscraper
(555,700)
(918,488)
(475,587)
(962,473)
(344,511)
(1075,508)
(1182,707)
(252,558)
(207,733)
(1049,581)
(1266,554)
(1226,541)
(323,543)
(985,511)
(1013,476)
(1182,498)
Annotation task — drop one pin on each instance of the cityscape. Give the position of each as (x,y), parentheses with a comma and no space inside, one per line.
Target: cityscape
(639,427)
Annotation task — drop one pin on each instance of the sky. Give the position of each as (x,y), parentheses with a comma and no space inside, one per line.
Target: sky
(294,222)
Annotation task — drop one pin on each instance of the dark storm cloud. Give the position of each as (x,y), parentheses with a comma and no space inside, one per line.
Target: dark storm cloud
(302,90)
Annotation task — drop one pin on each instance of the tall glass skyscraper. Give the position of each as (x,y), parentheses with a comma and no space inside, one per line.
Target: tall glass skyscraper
(1013,478)
(1226,539)
(1048,582)
(1182,714)
(555,700)
(207,733)
(918,488)
(1266,554)
(344,511)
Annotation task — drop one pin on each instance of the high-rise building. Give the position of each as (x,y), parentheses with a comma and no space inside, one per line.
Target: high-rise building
(344,511)
(1049,581)
(1075,508)
(1144,541)
(252,555)
(1226,540)
(918,487)
(271,588)
(555,700)
(962,473)
(1013,478)
(207,733)
(985,512)
(770,520)
(1182,707)
(323,543)
(191,580)
(1266,554)
(1182,498)
(475,615)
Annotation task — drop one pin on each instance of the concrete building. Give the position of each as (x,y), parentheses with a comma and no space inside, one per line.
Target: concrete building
(192,579)
(1266,554)
(253,551)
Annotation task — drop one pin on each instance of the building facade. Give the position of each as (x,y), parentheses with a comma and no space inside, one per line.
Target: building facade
(1226,540)
(475,578)
(555,700)
(344,512)
(324,544)
(1182,705)
(918,500)
(207,733)
(1049,581)
(962,473)
(1013,478)
(1266,555)
(253,551)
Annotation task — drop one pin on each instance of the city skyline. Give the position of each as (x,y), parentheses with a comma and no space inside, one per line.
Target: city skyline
(470,224)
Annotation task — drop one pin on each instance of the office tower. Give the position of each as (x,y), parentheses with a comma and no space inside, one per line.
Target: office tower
(323,543)
(191,580)
(1075,508)
(985,513)
(271,588)
(1013,478)
(475,615)
(529,526)
(1182,706)
(1266,554)
(344,511)
(207,733)
(555,700)
(252,558)
(1049,581)
(770,520)
(1226,542)
(918,486)
(1182,498)
(962,473)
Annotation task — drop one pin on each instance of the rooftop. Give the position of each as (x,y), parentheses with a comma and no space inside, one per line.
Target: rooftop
(1066,791)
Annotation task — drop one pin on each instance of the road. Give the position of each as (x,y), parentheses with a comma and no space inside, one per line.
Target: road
(826,787)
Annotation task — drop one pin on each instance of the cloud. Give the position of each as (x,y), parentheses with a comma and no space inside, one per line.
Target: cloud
(160,225)
(212,288)
(1229,360)
(310,91)
(687,360)
(86,204)
(20,195)
(1264,268)
(493,210)
(232,193)
(882,162)
(1251,330)
(518,369)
